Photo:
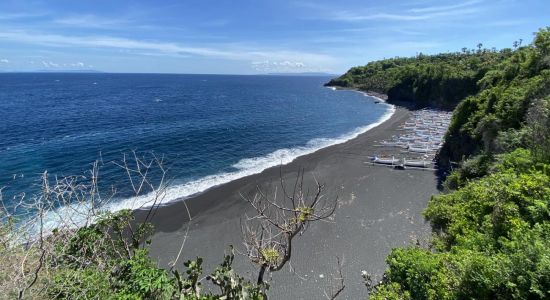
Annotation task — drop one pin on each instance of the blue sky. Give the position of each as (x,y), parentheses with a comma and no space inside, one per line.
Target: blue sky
(250,37)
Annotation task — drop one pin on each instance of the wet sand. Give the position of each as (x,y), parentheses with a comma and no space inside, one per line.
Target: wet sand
(378,208)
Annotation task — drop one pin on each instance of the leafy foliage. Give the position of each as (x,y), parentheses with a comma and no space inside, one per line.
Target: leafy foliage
(109,260)
(105,255)
(492,91)
(492,242)
(483,121)
(441,80)
(492,228)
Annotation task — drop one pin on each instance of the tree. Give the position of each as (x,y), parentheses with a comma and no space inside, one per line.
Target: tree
(280,217)
(492,227)
(538,124)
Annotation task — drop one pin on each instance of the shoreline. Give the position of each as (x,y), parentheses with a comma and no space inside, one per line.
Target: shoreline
(356,133)
(192,189)
(189,190)
(379,208)
(379,96)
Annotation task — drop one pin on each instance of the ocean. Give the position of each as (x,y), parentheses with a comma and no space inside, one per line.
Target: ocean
(209,129)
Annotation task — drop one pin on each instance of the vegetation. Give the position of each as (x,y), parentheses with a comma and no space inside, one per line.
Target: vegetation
(437,80)
(97,262)
(492,226)
(103,255)
(494,91)
(88,253)
(491,242)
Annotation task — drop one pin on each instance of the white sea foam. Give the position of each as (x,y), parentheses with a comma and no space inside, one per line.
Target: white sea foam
(245,167)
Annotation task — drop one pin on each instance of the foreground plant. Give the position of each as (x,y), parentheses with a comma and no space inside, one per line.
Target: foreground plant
(94,254)
(280,218)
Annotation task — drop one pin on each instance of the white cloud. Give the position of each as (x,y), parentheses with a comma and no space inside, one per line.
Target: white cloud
(91,21)
(354,17)
(414,14)
(50,64)
(429,9)
(78,64)
(230,51)
(506,23)
(17,16)
(286,66)
(4,60)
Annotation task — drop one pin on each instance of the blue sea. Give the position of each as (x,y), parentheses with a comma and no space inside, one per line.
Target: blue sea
(210,129)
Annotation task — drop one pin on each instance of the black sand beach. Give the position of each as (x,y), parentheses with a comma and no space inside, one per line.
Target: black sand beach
(379,208)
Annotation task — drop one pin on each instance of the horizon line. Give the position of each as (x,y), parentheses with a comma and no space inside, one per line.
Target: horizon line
(169,73)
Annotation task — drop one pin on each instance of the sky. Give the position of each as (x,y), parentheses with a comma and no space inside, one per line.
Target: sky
(251,36)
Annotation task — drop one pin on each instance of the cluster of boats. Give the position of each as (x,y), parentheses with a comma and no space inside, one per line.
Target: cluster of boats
(422,136)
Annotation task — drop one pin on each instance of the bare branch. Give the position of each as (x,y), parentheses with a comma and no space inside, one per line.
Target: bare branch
(36,230)
(269,234)
(337,285)
(173,264)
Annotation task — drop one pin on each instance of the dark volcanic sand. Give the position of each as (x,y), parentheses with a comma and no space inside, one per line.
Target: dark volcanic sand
(379,208)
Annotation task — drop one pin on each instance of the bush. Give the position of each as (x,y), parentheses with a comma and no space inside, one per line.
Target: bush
(491,240)
(492,228)
(422,274)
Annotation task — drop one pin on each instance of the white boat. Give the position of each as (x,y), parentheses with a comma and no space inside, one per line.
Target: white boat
(392,144)
(385,161)
(419,150)
(416,163)
(408,138)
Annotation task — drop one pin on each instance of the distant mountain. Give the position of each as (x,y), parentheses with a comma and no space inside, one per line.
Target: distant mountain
(302,74)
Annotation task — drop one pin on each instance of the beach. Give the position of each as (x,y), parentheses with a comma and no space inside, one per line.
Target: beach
(378,208)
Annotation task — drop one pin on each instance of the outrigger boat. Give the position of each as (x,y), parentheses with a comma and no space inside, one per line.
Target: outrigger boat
(416,163)
(384,160)
(420,150)
(423,133)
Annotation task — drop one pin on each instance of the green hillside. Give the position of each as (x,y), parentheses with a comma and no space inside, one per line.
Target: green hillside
(492,223)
